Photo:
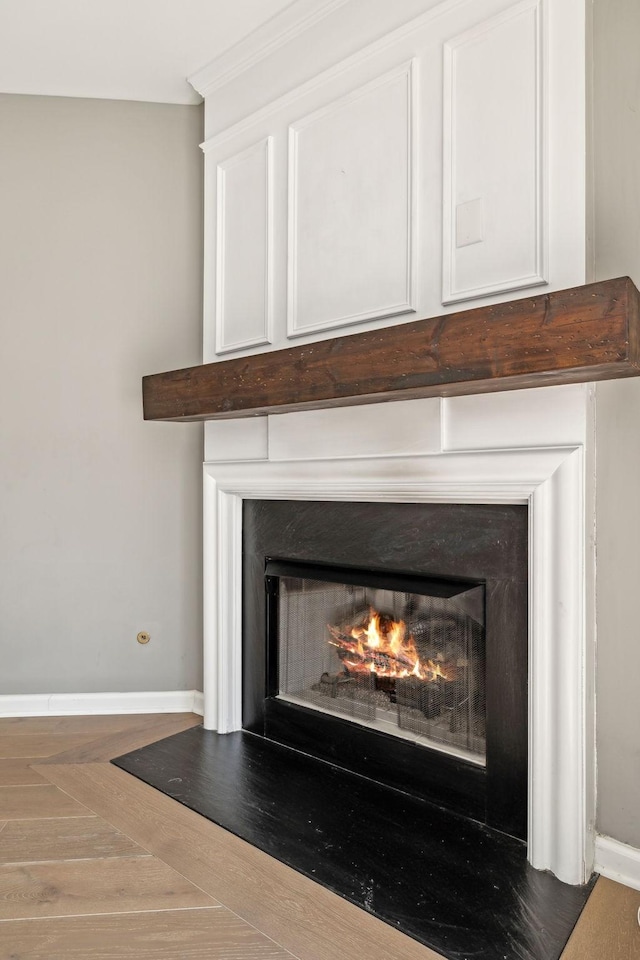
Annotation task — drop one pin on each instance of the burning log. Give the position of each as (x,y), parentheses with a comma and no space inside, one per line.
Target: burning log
(349,647)
(384,650)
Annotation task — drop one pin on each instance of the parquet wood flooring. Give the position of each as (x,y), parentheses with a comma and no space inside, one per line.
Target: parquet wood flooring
(83,726)
(143,730)
(37,801)
(269,912)
(19,772)
(171,935)
(68,838)
(39,744)
(70,888)
(608,927)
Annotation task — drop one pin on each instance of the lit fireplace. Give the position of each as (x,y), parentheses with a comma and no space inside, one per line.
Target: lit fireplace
(402,654)
(382,646)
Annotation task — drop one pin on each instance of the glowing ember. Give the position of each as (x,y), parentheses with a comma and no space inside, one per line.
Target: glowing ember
(383,646)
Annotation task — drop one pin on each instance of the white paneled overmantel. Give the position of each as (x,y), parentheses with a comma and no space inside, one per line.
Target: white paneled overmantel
(531,447)
(441,162)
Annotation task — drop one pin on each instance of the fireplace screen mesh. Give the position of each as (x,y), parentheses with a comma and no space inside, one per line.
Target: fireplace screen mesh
(407,663)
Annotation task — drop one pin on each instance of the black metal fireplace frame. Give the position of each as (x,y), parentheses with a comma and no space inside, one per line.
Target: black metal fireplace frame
(495,794)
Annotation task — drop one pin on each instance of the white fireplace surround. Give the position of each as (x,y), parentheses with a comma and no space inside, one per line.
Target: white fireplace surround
(529,446)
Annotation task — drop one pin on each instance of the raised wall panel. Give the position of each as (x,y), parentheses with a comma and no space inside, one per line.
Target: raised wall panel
(229,440)
(244,286)
(553,417)
(351,223)
(493,190)
(405,428)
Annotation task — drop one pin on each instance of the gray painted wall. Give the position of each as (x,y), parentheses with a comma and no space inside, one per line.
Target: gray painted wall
(616,251)
(100,283)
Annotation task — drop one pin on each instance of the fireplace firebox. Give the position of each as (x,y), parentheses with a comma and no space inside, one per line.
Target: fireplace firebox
(411,670)
(396,652)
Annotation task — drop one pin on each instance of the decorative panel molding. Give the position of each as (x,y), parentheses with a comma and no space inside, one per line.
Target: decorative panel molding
(244,249)
(351,207)
(493,167)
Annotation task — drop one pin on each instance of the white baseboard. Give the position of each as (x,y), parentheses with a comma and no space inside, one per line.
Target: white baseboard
(198,703)
(618,861)
(68,704)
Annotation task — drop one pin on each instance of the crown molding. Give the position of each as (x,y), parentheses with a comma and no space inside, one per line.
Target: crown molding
(265,40)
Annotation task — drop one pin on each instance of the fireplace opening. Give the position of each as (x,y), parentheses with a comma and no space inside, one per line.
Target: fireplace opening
(411,671)
(397,653)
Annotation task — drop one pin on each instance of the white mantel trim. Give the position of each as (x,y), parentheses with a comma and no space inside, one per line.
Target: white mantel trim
(551,480)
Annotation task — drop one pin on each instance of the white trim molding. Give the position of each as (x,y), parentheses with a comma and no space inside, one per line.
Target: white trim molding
(100,704)
(551,480)
(261,43)
(618,861)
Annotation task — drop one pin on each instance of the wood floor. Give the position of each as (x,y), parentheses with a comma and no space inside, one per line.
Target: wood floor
(95,864)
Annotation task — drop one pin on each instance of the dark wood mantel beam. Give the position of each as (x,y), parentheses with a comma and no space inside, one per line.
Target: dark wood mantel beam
(568,336)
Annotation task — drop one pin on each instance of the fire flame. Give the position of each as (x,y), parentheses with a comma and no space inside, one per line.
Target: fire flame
(383,646)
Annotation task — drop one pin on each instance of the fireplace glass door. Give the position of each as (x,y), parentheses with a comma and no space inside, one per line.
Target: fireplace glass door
(402,654)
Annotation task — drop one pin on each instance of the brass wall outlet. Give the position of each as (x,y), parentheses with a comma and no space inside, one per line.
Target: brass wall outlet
(143,637)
